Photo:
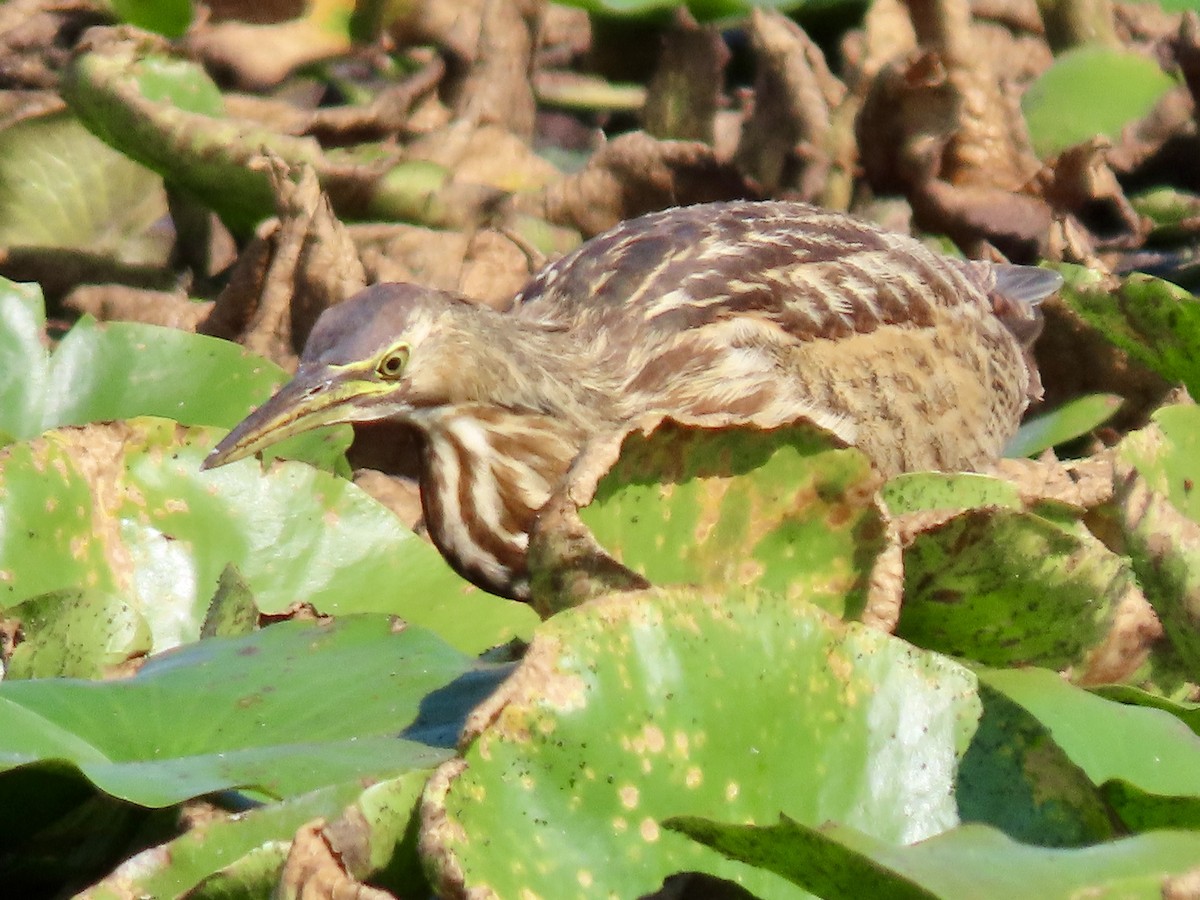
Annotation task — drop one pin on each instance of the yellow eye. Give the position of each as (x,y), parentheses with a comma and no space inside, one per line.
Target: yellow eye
(391,366)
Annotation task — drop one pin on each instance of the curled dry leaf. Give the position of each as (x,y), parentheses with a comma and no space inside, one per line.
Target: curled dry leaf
(632,175)
(685,92)
(497,89)
(789,145)
(121,302)
(298,268)
(314,869)
(940,126)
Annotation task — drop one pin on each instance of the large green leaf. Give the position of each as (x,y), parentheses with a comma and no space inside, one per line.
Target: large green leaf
(1091,91)
(125,508)
(969,863)
(649,704)
(284,711)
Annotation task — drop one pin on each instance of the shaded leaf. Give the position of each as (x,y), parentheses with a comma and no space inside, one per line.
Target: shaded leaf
(1073,419)
(1154,321)
(1148,748)
(284,711)
(968,863)
(1005,587)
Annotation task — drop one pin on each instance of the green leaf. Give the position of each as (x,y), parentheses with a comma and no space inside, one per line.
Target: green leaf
(1148,748)
(969,863)
(125,369)
(1006,587)
(1154,321)
(61,187)
(926,491)
(1073,419)
(1164,548)
(1062,107)
(1167,454)
(169,18)
(284,711)
(76,634)
(1016,778)
(125,507)
(667,702)
(1142,811)
(788,510)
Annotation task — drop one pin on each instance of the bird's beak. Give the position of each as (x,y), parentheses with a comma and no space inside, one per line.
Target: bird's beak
(308,401)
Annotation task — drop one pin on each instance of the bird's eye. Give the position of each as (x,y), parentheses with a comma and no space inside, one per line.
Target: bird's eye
(393,362)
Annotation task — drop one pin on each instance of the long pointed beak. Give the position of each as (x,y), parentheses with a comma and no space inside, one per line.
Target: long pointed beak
(306,402)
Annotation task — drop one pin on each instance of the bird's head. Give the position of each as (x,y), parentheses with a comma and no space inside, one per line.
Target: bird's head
(384,353)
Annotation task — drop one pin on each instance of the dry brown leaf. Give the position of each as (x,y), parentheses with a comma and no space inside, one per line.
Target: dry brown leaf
(632,175)
(295,269)
(497,89)
(787,145)
(315,871)
(685,92)
(119,302)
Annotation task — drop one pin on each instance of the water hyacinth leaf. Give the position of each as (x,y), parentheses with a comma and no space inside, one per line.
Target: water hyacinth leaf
(1166,453)
(125,369)
(1155,322)
(1148,748)
(62,187)
(972,862)
(671,701)
(789,510)
(925,491)
(145,521)
(22,320)
(1061,106)
(1073,419)
(283,711)
(1005,587)
(76,634)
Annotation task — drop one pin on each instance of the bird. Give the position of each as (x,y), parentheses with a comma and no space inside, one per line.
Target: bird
(754,311)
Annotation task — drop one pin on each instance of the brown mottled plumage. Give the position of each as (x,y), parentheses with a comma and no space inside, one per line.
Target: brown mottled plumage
(768,310)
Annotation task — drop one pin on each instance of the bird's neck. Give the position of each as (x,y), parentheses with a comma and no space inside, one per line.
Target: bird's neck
(526,368)
(486,473)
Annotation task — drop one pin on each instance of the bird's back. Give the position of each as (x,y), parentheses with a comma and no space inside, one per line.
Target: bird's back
(771,309)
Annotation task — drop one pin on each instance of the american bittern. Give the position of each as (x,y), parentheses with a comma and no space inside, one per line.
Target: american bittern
(764,309)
